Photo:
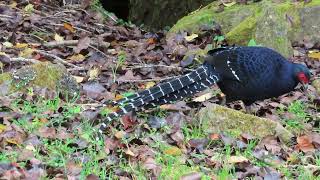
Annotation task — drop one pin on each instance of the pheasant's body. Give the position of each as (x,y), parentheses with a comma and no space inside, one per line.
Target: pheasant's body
(258,73)
(242,73)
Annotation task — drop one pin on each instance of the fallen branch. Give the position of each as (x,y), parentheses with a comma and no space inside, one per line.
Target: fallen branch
(56,58)
(21,59)
(61,43)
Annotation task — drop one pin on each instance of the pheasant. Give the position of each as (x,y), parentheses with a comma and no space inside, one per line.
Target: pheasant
(242,73)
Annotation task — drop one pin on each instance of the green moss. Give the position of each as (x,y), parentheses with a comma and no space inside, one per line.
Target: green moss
(5,77)
(222,119)
(242,33)
(47,75)
(192,22)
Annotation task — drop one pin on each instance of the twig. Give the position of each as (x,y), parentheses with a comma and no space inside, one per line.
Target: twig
(96,49)
(5,16)
(21,59)
(56,58)
(61,43)
(77,69)
(73,27)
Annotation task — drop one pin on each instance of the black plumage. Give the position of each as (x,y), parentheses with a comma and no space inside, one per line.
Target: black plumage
(242,73)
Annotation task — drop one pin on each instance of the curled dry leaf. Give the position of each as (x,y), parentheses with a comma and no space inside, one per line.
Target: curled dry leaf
(173,150)
(179,106)
(237,159)
(130,153)
(203,97)
(47,132)
(305,144)
(192,176)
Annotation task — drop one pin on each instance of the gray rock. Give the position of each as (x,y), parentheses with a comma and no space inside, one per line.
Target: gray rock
(217,119)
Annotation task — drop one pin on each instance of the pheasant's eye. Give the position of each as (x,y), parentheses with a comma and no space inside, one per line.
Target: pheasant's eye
(303,78)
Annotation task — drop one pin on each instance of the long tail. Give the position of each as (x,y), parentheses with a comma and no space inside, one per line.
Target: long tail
(175,89)
(185,92)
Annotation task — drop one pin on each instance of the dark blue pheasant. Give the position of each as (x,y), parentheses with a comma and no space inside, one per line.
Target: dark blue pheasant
(242,73)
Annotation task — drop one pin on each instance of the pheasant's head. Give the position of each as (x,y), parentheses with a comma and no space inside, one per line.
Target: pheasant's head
(302,73)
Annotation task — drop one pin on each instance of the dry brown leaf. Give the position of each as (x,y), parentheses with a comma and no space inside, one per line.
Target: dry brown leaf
(191,37)
(77,58)
(214,136)
(129,152)
(120,134)
(305,144)
(69,27)
(2,128)
(58,38)
(94,73)
(314,55)
(47,132)
(21,45)
(203,97)
(174,151)
(79,79)
(237,159)
(192,176)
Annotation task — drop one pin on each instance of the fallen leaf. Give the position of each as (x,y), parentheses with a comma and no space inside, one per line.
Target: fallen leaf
(178,137)
(79,79)
(315,55)
(29,8)
(58,38)
(69,27)
(305,144)
(191,176)
(151,41)
(237,159)
(129,152)
(179,106)
(77,58)
(7,44)
(26,53)
(214,136)
(92,177)
(191,37)
(83,43)
(173,150)
(21,45)
(128,76)
(94,73)
(73,168)
(120,134)
(149,84)
(203,97)
(47,132)
(229,4)
(2,128)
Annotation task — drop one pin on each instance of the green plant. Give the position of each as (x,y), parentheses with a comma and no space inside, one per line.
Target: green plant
(298,109)
(218,41)
(122,56)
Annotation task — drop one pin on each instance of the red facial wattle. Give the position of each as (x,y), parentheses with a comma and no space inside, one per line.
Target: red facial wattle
(303,78)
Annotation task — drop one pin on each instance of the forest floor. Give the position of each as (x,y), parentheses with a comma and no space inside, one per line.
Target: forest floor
(45,138)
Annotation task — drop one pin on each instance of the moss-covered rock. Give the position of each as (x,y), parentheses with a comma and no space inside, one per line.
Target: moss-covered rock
(316,85)
(216,118)
(44,75)
(275,25)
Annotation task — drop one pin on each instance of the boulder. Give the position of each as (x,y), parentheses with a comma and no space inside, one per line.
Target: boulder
(217,119)
(274,25)
(43,75)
